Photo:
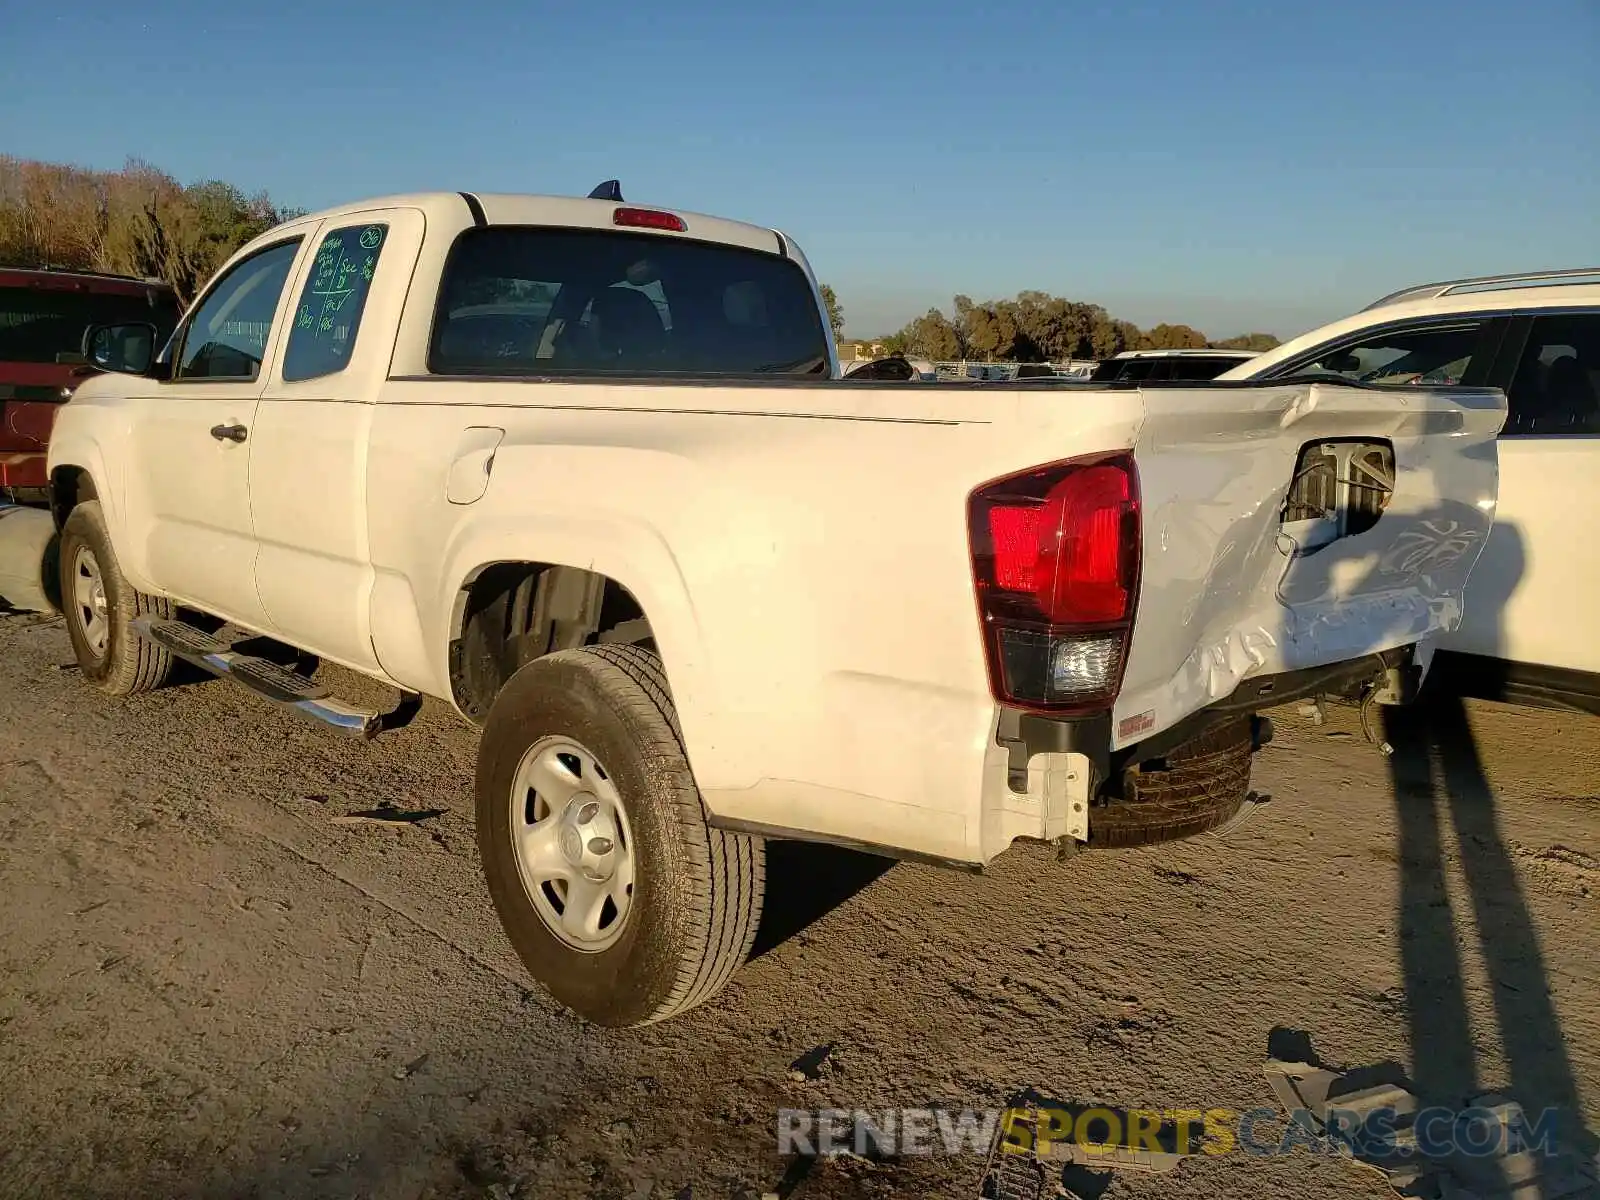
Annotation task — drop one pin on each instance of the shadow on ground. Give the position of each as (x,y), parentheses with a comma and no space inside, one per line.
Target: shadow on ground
(1440,791)
(805,882)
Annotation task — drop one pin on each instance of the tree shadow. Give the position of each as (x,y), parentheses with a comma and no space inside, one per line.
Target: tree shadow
(805,882)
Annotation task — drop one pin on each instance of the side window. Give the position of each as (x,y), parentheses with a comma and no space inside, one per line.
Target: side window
(227,336)
(1439,354)
(1556,388)
(329,313)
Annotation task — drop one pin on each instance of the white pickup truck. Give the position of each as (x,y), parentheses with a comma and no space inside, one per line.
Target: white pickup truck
(584,471)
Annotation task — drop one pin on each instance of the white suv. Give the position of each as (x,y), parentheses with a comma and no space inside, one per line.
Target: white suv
(1527,635)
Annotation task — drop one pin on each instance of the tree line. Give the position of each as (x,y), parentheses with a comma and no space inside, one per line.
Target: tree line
(137,221)
(1037,327)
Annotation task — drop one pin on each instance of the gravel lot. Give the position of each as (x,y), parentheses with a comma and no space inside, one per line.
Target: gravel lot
(209,987)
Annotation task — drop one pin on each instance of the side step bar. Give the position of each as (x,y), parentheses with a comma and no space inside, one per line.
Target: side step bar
(278,684)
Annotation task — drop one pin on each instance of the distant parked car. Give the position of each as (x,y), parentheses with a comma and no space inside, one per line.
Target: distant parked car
(1154,365)
(43,316)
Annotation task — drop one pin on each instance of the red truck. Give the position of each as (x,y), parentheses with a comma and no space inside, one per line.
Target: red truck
(43,314)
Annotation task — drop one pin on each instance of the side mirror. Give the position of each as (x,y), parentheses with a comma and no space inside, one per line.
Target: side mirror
(125,349)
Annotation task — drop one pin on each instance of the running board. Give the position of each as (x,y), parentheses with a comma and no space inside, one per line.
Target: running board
(282,686)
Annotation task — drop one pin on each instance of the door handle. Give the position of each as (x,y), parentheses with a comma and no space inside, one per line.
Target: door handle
(229,433)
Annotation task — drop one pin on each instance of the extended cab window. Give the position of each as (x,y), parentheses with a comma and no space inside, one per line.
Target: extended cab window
(1556,389)
(542,301)
(323,332)
(1439,354)
(227,336)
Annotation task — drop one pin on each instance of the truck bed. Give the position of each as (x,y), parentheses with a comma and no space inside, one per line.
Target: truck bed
(815,533)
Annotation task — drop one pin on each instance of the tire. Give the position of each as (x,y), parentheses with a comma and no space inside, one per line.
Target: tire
(696,892)
(1196,787)
(111,656)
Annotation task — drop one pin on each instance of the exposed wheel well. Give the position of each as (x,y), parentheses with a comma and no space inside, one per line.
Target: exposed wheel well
(511,613)
(69,486)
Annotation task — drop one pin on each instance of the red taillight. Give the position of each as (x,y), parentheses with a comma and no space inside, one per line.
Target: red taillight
(649,218)
(1014,534)
(1055,555)
(1082,575)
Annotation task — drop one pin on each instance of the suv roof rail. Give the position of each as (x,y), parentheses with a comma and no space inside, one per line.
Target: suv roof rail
(1485,283)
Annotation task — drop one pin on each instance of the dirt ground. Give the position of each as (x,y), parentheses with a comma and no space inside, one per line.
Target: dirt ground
(211,988)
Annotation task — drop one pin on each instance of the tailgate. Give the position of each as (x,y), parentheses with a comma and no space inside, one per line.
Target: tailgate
(1296,526)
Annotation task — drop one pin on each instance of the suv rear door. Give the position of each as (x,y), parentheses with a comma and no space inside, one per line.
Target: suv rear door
(1540,566)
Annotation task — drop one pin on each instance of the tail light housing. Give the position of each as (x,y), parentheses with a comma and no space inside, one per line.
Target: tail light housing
(1055,559)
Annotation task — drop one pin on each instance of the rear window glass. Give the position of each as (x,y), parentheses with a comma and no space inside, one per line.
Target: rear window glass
(538,301)
(45,325)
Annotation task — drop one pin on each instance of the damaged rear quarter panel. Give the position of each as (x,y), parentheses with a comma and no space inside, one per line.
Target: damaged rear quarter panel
(1228,594)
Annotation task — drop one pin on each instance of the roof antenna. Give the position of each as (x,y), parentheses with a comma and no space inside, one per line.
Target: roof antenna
(611,190)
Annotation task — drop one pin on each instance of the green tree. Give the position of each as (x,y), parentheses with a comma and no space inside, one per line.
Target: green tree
(1174,337)
(1036,326)
(991,330)
(1248,341)
(835,312)
(932,335)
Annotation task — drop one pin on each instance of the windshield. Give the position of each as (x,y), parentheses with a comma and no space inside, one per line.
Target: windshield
(45,325)
(537,301)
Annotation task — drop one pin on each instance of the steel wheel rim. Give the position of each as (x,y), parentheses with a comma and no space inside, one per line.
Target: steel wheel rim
(89,601)
(572,843)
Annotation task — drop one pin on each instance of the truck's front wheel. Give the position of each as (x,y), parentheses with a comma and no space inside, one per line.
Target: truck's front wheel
(616,894)
(100,605)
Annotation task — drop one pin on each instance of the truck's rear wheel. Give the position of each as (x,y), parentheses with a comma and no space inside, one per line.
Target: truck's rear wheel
(100,605)
(616,894)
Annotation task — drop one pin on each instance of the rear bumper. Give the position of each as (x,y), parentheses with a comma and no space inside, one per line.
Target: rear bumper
(1040,778)
(1044,778)
(1269,691)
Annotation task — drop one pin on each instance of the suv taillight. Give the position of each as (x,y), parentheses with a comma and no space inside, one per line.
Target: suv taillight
(1055,556)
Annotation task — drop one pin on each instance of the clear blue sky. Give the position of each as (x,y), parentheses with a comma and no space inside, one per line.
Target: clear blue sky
(1235,164)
